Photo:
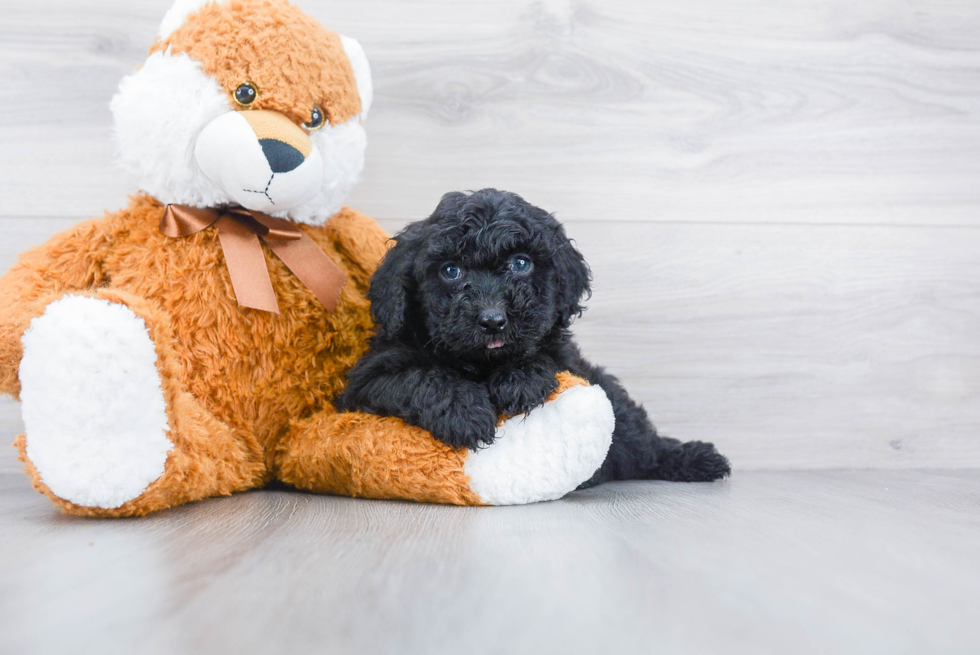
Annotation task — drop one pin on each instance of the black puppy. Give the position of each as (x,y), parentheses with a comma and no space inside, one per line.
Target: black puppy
(472,307)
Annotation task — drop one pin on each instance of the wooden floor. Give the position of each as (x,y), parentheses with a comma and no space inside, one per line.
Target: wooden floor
(768,562)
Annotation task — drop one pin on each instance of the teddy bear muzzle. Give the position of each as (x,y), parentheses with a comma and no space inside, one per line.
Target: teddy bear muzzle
(260,159)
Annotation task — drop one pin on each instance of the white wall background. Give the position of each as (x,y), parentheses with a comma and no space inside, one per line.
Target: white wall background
(780,201)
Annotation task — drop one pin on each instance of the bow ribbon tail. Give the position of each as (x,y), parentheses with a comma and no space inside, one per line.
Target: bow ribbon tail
(181,221)
(312,266)
(246,265)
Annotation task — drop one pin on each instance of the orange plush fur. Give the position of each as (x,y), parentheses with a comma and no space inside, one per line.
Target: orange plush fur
(233,378)
(413,465)
(292,60)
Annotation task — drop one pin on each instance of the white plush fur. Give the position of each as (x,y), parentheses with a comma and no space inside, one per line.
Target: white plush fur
(341,148)
(546,454)
(93,407)
(159,112)
(362,72)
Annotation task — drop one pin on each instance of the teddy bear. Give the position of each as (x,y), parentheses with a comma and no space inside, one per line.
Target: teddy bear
(189,344)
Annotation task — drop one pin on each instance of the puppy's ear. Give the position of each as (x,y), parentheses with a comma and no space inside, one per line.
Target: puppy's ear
(393,284)
(573,278)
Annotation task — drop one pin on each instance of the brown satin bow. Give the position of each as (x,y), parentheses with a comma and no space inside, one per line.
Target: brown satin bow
(241,233)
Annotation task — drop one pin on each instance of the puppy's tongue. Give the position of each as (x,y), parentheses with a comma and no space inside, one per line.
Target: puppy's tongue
(496,343)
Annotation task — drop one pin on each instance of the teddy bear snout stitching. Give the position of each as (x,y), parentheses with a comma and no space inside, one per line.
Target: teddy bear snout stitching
(264,191)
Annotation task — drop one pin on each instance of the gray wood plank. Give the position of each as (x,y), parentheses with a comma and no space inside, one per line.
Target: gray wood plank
(809,111)
(788,346)
(791,562)
(10,426)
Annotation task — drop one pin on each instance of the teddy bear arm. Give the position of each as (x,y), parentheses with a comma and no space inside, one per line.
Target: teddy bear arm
(70,261)
(370,456)
(540,456)
(360,240)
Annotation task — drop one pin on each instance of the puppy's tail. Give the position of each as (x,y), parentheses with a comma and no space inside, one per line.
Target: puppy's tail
(691,461)
(661,458)
(639,453)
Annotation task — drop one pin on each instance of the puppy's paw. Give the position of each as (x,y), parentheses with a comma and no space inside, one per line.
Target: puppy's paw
(519,390)
(465,428)
(468,420)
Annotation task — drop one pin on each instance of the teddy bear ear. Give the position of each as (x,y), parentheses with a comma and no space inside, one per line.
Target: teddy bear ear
(362,72)
(177,14)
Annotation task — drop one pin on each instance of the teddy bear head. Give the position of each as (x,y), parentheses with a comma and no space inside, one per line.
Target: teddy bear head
(248,102)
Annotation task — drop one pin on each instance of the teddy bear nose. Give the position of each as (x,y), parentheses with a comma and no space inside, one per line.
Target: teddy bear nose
(281,156)
(493,320)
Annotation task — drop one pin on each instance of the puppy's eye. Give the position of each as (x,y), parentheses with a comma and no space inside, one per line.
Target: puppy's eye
(317,119)
(246,94)
(451,272)
(520,264)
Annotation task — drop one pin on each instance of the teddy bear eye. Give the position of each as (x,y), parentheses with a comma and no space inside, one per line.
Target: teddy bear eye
(316,119)
(520,264)
(451,272)
(246,94)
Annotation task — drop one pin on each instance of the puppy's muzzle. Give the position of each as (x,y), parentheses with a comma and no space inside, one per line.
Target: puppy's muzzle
(492,320)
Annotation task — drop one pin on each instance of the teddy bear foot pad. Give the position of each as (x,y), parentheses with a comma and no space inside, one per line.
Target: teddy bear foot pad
(544,454)
(92,402)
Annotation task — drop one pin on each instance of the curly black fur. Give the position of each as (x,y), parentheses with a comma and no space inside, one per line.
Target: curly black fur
(473,307)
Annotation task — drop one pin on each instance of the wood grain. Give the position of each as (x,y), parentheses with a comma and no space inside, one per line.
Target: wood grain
(789,346)
(707,111)
(795,346)
(768,562)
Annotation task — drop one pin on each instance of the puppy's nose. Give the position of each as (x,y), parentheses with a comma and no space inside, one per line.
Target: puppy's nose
(493,320)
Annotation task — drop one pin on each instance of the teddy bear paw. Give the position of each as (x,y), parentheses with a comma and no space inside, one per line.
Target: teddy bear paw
(93,407)
(547,453)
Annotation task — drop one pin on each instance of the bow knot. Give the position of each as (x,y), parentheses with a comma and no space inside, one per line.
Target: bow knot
(241,233)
